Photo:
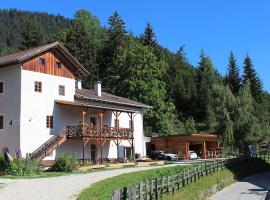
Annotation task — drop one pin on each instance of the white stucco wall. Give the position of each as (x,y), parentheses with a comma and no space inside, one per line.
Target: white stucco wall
(10,107)
(28,109)
(36,106)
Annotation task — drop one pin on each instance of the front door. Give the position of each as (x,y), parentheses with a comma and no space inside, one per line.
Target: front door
(93,153)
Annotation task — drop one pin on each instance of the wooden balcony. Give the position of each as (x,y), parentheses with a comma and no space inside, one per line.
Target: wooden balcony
(105,132)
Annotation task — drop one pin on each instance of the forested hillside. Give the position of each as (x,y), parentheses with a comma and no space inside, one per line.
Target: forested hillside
(11,22)
(185,98)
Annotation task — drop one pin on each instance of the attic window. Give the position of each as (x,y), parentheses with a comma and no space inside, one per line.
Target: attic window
(58,65)
(41,61)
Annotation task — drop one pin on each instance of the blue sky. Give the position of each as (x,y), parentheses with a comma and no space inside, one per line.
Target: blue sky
(216,26)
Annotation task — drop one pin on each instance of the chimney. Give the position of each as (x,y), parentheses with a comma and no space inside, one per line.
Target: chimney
(97,88)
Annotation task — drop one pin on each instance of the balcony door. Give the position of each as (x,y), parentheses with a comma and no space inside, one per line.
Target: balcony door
(93,121)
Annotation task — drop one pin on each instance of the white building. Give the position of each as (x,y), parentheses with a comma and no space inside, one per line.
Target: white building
(45,112)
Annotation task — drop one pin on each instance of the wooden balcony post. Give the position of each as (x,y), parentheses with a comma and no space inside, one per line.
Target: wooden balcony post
(83,121)
(101,122)
(83,131)
(84,144)
(117,146)
(132,130)
(101,152)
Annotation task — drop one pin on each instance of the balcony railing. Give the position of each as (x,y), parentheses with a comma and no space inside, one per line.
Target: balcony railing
(98,131)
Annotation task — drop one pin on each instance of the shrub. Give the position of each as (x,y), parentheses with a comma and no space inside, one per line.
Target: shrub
(22,167)
(3,165)
(65,163)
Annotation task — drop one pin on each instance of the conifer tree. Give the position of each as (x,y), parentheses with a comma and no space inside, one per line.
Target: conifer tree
(148,38)
(82,49)
(232,77)
(32,35)
(251,76)
(117,35)
(206,78)
(244,121)
(85,39)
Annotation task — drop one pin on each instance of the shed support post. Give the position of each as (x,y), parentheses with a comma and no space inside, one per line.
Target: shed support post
(187,150)
(204,150)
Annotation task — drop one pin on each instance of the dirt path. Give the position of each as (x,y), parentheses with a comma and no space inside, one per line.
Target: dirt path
(60,188)
(251,188)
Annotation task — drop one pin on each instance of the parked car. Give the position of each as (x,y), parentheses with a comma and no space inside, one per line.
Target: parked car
(162,155)
(192,155)
(170,156)
(157,155)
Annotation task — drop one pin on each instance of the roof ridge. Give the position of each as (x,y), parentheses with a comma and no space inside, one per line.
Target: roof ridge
(39,49)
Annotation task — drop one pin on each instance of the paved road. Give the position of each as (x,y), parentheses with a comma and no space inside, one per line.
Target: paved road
(251,188)
(57,188)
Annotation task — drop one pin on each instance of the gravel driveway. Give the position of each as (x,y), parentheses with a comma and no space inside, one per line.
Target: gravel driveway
(251,188)
(57,188)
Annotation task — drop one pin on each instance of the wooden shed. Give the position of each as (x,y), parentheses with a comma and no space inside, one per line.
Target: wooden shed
(205,145)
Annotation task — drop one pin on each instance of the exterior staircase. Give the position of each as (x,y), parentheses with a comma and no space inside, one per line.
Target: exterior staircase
(48,147)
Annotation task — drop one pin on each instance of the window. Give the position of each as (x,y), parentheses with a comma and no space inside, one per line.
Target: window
(1,122)
(1,87)
(38,86)
(41,61)
(58,65)
(62,90)
(49,121)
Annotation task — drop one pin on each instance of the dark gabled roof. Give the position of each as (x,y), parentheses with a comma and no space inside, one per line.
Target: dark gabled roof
(107,98)
(26,55)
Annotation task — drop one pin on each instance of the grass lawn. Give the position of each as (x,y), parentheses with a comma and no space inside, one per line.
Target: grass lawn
(52,174)
(202,188)
(208,185)
(40,175)
(102,190)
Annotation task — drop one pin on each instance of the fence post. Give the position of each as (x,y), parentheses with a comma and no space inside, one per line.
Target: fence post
(151,190)
(141,190)
(183,179)
(156,186)
(134,191)
(205,164)
(173,184)
(168,185)
(130,193)
(162,186)
(178,181)
(146,189)
(117,194)
(194,175)
(125,193)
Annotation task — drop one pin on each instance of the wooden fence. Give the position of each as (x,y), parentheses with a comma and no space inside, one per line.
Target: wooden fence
(157,187)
